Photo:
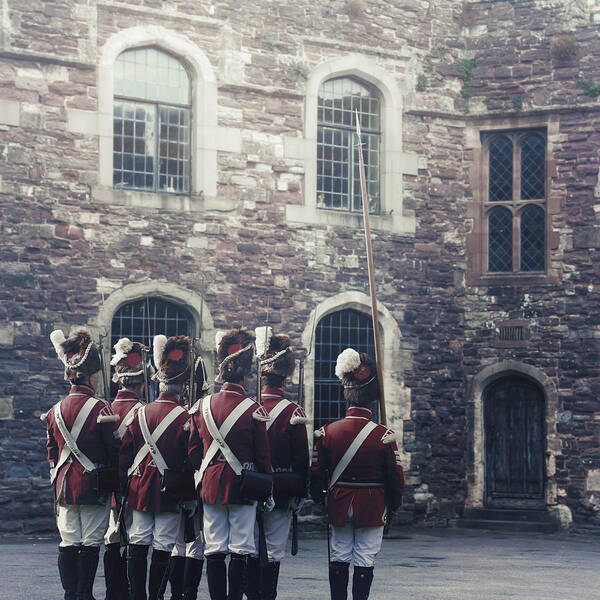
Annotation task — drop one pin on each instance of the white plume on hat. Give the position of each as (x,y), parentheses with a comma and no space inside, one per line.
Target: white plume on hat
(158,346)
(122,348)
(218,337)
(346,362)
(57,337)
(263,339)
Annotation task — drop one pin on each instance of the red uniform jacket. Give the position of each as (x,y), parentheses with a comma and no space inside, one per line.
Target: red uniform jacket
(122,405)
(247,439)
(145,481)
(288,439)
(373,478)
(72,484)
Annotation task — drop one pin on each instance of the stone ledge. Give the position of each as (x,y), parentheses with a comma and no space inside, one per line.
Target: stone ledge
(10,112)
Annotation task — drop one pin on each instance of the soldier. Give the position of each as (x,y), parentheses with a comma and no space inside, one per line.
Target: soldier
(154,447)
(228,438)
(358,462)
(80,445)
(289,458)
(129,375)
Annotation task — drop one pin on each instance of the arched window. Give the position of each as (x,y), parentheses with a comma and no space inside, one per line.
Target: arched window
(152,122)
(338,178)
(335,332)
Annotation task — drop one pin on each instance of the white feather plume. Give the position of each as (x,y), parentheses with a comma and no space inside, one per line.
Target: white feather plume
(122,348)
(218,337)
(263,339)
(346,362)
(158,347)
(57,337)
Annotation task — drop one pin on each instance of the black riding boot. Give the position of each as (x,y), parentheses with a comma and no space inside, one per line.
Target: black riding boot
(137,555)
(159,564)
(68,570)
(253,578)
(338,580)
(191,578)
(361,582)
(88,564)
(236,576)
(270,576)
(175,574)
(216,576)
(115,573)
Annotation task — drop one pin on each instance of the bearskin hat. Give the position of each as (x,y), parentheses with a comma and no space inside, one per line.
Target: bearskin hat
(358,373)
(235,354)
(172,357)
(275,353)
(78,353)
(200,378)
(128,362)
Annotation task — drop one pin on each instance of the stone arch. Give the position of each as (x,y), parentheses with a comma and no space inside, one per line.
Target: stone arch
(204,99)
(475,392)
(397,396)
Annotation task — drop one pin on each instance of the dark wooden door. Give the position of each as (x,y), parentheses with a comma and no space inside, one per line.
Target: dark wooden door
(514,444)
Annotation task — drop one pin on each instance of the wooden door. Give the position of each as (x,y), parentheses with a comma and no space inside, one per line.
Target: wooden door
(514,444)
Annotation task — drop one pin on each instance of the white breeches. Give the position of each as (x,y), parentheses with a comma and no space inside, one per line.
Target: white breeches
(158,530)
(112,533)
(356,546)
(82,524)
(229,528)
(277,528)
(193,549)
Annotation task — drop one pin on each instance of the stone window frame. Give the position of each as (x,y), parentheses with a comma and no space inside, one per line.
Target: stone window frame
(478,135)
(394,162)
(204,119)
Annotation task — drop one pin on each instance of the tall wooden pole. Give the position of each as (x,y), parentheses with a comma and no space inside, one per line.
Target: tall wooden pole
(375,315)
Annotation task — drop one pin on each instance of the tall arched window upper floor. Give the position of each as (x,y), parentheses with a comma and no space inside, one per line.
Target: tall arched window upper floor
(157,123)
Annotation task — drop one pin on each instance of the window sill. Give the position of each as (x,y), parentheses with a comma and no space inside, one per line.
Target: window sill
(516,279)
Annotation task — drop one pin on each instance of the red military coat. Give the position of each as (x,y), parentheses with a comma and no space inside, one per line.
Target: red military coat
(122,405)
(145,482)
(247,439)
(288,439)
(73,485)
(373,476)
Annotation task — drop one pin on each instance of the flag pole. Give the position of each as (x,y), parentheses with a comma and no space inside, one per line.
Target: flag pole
(371,267)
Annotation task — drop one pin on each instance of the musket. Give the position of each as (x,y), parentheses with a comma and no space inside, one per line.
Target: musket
(192,381)
(258,367)
(145,371)
(371,268)
(105,383)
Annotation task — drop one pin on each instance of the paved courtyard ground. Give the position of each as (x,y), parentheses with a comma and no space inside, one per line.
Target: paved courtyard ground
(423,565)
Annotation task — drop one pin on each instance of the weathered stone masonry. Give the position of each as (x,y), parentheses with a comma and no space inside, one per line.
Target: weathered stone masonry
(69,240)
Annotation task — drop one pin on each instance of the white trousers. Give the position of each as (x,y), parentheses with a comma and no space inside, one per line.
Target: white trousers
(82,524)
(358,546)
(112,533)
(229,528)
(193,549)
(277,528)
(158,530)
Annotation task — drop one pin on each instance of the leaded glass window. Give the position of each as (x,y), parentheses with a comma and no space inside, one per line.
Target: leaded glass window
(152,122)
(338,174)
(516,202)
(335,332)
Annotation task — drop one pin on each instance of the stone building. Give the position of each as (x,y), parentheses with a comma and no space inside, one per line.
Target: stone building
(178,166)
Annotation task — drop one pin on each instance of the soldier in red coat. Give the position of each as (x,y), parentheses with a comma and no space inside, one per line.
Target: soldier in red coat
(155,442)
(290,459)
(80,443)
(358,462)
(229,516)
(129,374)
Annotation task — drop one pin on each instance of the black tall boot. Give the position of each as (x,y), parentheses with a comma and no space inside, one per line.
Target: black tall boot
(216,576)
(361,582)
(176,573)
(191,578)
(137,555)
(88,563)
(115,573)
(158,567)
(338,580)
(270,577)
(68,570)
(253,578)
(236,576)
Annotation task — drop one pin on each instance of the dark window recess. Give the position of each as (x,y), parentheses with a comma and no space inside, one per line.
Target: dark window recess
(533,168)
(533,238)
(501,170)
(335,332)
(500,240)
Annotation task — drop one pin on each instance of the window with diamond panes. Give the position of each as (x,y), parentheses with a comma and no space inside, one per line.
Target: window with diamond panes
(152,122)
(338,174)
(335,332)
(516,202)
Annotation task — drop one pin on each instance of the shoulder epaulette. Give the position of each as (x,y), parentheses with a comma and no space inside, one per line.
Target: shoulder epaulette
(299,416)
(261,414)
(319,433)
(389,437)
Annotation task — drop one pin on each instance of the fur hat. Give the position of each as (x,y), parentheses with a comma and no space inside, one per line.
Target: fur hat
(172,357)
(235,353)
(200,378)
(355,370)
(128,364)
(78,353)
(275,353)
